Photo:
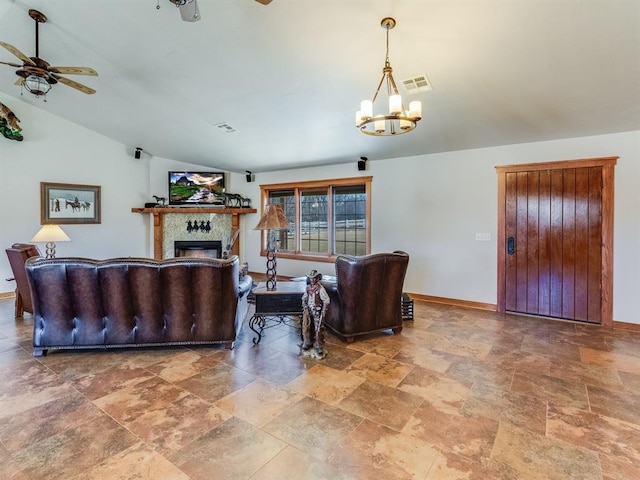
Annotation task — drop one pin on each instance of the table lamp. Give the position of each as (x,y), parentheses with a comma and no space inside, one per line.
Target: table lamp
(50,234)
(272,219)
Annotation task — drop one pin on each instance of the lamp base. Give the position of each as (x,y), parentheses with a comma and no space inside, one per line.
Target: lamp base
(50,250)
(271,271)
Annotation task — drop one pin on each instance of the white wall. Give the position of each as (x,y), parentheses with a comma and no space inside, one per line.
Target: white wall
(430,206)
(55,150)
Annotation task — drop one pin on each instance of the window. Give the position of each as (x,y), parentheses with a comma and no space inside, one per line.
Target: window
(326,218)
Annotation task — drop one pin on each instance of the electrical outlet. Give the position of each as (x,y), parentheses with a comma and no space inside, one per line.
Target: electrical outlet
(483,237)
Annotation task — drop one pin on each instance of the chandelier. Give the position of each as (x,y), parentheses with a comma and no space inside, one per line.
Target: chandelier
(398,120)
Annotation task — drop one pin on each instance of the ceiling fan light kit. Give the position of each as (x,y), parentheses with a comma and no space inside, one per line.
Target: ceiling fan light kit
(398,120)
(36,75)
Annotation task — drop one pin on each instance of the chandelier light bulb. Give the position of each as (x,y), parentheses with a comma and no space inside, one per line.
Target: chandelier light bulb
(415,110)
(366,109)
(395,104)
(379,125)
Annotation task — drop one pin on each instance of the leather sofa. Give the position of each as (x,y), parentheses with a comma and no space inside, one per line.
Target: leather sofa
(83,303)
(367,294)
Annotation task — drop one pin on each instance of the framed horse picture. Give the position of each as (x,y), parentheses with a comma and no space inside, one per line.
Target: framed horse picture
(66,203)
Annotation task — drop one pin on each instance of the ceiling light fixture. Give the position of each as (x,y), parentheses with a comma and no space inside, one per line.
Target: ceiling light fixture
(36,84)
(397,120)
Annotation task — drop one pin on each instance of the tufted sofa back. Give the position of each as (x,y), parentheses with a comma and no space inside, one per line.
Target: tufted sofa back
(82,302)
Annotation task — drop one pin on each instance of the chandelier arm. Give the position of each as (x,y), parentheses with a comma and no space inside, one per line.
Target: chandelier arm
(375,95)
(393,84)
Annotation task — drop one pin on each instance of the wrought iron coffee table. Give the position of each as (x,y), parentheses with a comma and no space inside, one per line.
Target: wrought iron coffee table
(280,306)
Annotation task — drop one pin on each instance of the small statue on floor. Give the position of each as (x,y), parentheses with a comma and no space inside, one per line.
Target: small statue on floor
(315,301)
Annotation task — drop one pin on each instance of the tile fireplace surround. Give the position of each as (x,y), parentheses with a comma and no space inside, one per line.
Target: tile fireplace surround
(170,224)
(175,229)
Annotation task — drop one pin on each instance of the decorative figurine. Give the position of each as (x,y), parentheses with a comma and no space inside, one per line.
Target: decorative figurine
(9,124)
(160,200)
(315,301)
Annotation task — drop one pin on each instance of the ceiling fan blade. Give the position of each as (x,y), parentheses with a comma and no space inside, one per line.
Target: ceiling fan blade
(264,2)
(11,64)
(18,53)
(76,85)
(74,70)
(19,81)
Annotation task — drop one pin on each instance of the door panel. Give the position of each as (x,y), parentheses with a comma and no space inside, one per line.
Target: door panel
(555,217)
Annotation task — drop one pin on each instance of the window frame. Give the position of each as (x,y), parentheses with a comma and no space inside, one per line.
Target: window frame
(298,188)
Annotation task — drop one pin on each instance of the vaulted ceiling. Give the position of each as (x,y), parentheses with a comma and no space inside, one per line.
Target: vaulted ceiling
(288,77)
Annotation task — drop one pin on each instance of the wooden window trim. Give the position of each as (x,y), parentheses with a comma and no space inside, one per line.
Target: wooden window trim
(298,187)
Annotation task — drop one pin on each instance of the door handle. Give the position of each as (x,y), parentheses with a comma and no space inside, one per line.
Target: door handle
(511,246)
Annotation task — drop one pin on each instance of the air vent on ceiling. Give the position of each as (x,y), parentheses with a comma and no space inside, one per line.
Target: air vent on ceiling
(417,84)
(225,127)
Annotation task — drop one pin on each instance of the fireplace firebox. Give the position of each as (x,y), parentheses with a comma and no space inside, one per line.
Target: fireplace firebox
(198,248)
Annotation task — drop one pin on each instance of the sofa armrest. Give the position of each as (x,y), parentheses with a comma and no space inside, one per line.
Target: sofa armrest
(244,285)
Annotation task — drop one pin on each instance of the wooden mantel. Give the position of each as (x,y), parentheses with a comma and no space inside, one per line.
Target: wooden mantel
(158,212)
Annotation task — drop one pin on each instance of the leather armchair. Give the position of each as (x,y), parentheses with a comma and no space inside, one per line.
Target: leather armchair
(18,255)
(367,294)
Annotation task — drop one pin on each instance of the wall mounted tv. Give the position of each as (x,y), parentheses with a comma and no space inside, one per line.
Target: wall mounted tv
(196,188)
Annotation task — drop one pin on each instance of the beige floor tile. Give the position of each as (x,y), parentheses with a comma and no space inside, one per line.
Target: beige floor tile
(235,449)
(440,391)
(374,451)
(468,437)
(606,435)
(182,365)
(27,427)
(139,462)
(545,387)
(421,356)
(258,402)
(615,360)
(519,453)
(216,382)
(294,464)
(460,394)
(514,408)
(385,405)
(75,450)
(131,402)
(313,427)
(383,370)
(168,428)
(326,384)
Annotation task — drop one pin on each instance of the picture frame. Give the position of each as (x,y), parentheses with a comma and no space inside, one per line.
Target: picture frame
(69,203)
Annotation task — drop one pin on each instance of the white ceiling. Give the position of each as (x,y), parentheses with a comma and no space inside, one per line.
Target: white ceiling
(289,76)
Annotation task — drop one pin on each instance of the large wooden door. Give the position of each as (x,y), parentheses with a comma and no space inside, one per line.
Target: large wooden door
(554,239)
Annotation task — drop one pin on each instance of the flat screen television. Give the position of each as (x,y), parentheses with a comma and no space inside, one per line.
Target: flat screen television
(196,188)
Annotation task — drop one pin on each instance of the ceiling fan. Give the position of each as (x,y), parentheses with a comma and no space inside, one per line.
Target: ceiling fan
(36,75)
(190,12)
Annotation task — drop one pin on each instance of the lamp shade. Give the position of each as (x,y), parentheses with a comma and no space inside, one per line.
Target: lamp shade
(272,219)
(50,233)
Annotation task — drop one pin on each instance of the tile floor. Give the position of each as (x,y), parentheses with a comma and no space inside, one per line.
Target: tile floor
(460,394)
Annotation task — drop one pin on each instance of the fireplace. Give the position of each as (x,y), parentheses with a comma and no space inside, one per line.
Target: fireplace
(198,248)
